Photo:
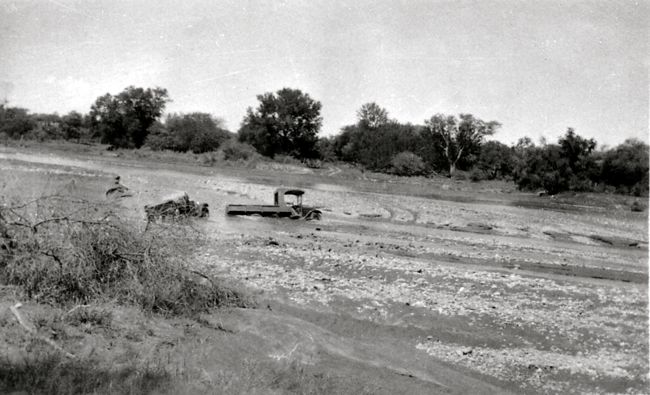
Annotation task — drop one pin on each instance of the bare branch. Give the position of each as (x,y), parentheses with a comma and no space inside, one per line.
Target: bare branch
(70,221)
(51,255)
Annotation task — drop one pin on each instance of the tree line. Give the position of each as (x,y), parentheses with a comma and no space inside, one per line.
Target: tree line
(287,122)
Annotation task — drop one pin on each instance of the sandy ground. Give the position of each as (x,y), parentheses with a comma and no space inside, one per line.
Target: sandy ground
(449,294)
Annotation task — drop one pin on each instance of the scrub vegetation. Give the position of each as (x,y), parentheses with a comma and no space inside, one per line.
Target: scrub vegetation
(288,122)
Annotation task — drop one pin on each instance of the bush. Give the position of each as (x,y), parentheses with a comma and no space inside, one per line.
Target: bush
(15,122)
(638,207)
(579,184)
(543,168)
(495,161)
(84,254)
(568,165)
(325,149)
(234,151)
(159,138)
(196,132)
(460,175)
(375,148)
(313,163)
(477,175)
(287,160)
(407,164)
(209,159)
(626,167)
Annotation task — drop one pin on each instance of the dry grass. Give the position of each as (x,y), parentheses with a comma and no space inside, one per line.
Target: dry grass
(48,373)
(63,251)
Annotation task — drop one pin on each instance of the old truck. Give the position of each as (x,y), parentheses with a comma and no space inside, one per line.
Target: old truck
(282,207)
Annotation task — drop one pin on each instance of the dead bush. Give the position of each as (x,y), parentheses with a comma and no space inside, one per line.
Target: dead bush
(63,252)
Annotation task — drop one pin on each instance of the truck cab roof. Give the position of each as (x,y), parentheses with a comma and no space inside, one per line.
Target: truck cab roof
(290,191)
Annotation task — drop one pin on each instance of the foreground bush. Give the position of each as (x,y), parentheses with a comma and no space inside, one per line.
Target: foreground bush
(87,254)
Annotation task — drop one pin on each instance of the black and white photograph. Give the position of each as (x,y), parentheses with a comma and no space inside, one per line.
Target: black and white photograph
(324,197)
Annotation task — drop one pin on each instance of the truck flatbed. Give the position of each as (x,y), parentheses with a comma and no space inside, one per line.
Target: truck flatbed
(263,210)
(281,208)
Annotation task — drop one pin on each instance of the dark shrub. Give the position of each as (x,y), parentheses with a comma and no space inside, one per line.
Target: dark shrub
(407,164)
(15,122)
(234,150)
(638,206)
(495,161)
(477,175)
(626,167)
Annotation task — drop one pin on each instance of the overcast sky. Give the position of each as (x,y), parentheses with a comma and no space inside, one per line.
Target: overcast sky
(535,66)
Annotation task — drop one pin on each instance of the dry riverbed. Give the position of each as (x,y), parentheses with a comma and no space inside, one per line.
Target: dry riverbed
(447,293)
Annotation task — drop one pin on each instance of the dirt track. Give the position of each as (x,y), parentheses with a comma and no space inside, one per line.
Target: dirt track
(448,294)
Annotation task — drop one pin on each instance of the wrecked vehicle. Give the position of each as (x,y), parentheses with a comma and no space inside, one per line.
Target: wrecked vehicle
(280,208)
(179,206)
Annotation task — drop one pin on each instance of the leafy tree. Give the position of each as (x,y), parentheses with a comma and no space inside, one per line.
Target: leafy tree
(579,152)
(159,137)
(523,144)
(626,167)
(374,148)
(496,160)
(125,120)
(72,125)
(375,140)
(325,149)
(583,171)
(285,122)
(343,144)
(568,165)
(48,126)
(543,167)
(370,115)
(458,138)
(15,122)
(196,132)
(575,148)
